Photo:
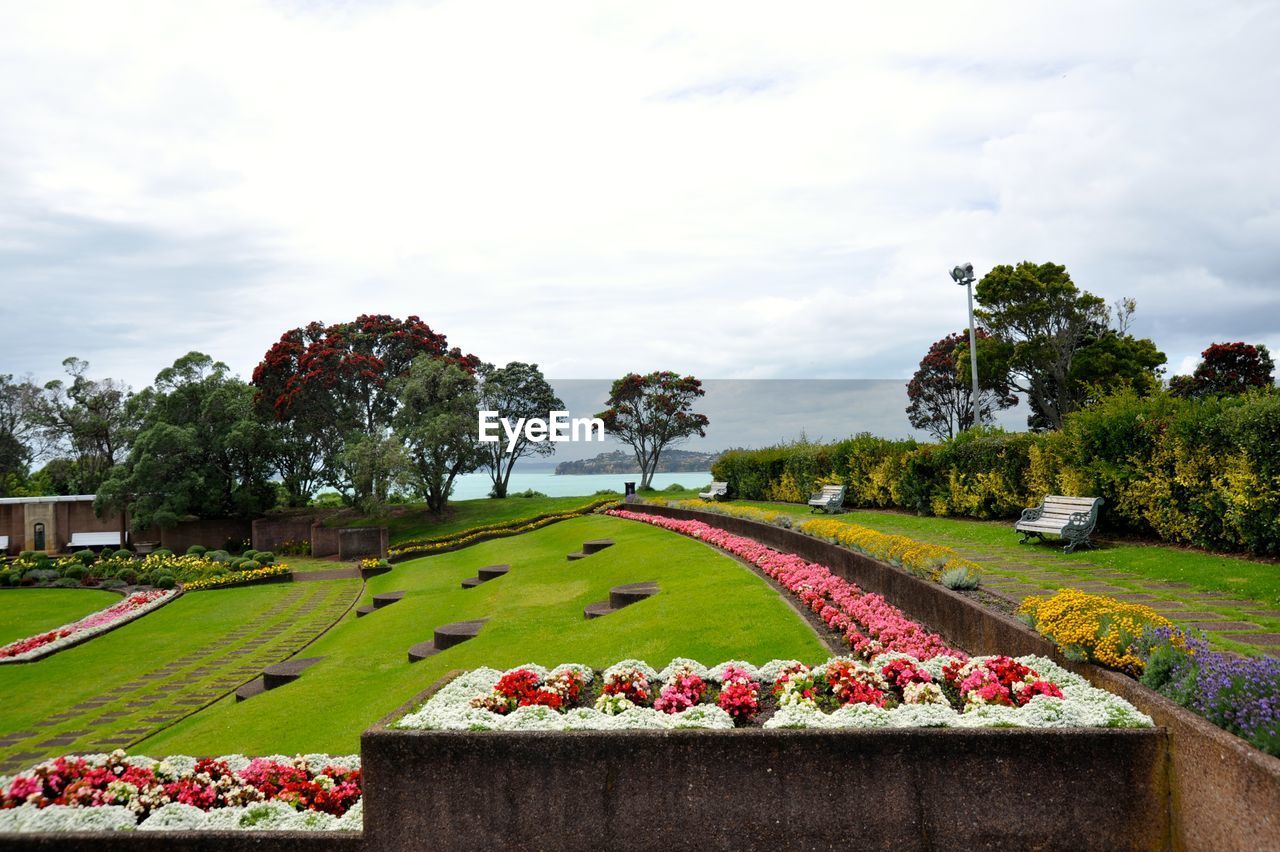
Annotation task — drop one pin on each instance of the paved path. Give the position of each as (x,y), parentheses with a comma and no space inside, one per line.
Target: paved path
(1017,571)
(158,698)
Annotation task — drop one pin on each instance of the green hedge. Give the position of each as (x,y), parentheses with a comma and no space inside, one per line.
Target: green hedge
(1203,472)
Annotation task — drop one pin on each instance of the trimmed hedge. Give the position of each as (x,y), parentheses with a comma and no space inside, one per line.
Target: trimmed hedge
(1202,472)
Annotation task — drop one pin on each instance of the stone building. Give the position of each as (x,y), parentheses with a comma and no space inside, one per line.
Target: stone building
(50,523)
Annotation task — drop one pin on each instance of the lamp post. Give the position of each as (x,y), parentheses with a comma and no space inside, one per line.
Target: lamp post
(963,275)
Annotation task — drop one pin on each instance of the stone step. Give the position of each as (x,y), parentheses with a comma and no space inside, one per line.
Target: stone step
(446,636)
(573,557)
(492,572)
(596,545)
(386,599)
(620,596)
(250,689)
(471,582)
(362,611)
(288,671)
(597,609)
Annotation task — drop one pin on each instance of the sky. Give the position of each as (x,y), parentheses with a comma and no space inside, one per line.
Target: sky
(733,190)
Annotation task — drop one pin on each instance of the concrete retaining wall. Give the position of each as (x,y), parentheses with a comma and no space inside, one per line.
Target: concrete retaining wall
(177,841)
(270,533)
(324,540)
(762,789)
(1225,794)
(359,542)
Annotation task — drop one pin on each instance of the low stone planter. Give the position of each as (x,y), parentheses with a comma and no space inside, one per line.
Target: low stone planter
(766,789)
(186,841)
(1225,794)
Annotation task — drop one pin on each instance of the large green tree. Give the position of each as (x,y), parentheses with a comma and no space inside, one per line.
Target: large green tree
(90,421)
(516,392)
(436,422)
(19,432)
(200,452)
(652,412)
(1059,345)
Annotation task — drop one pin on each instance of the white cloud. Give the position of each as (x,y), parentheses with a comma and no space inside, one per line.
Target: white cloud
(710,188)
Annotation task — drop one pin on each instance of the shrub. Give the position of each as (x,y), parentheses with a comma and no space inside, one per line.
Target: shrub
(960,579)
(65,583)
(250,554)
(265,557)
(112,583)
(197,550)
(86,557)
(529,493)
(674,488)
(127,576)
(123,554)
(606,492)
(248,565)
(40,575)
(294,547)
(163,580)
(161,551)
(75,572)
(27,554)
(1094,628)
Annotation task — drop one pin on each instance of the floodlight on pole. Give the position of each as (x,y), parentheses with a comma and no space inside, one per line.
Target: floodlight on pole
(963,275)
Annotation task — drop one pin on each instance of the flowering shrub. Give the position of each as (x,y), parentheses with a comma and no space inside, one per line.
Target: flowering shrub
(294,547)
(234,792)
(1238,695)
(239,578)
(868,622)
(1095,628)
(134,606)
(892,690)
(475,535)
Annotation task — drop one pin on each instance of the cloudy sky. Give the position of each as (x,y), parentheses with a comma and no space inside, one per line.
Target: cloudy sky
(738,190)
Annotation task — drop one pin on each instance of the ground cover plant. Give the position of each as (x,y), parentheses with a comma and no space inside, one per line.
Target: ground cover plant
(119,568)
(121,612)
(120,687)
(116,792)
(40,610)
(709,607)
(891,690)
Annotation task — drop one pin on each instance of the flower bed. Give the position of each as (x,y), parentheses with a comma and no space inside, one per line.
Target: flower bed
(240,578)
(114,792)
(464,538)
(927,561)
(893,691)
(868,623)
(41,645)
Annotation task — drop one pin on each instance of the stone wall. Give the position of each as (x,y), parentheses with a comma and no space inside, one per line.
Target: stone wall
(359,542)
(1226,794)
(269,533)
(324,540)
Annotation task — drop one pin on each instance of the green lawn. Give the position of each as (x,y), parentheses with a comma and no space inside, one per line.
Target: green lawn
(136,678)
(413,522)
(710,608)
(27,612)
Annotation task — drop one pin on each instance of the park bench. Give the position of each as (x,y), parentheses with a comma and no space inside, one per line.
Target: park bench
(93,539)
(829,499)
(1070,518)
(717,491)
(4,544)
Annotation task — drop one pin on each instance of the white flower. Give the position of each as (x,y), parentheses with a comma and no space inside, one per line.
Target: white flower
(681,665)
(717,672)
(174,816)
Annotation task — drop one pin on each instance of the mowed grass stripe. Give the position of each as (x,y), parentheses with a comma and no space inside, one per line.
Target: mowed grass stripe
(710,607)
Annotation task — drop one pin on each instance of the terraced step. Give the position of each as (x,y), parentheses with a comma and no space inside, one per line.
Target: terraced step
(250,689)
(366,573)
(287,672)
(576,555)
(596,545)
(446,636)
(597,609)
(362,611)
(484,575)
(386,599)
(620,596)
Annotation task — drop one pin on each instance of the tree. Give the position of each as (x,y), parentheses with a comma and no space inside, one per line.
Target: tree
(326,386)
(93,421)
(1227,369)
(650,413)
(1056,343)
(436,422)
(201,450)
(19,431)
(517,391)
(940,392)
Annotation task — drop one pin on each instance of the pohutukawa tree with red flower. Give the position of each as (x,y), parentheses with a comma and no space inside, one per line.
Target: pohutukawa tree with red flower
(1225,369)
(941,400)
(327,388)
(650,413)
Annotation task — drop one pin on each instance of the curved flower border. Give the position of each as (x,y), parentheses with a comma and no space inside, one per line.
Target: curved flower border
(42,645)
(868,623)
(460,705)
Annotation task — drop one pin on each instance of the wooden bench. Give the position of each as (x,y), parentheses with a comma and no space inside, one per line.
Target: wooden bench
(717,491)
(1071,518)
(829,499)
(93,539)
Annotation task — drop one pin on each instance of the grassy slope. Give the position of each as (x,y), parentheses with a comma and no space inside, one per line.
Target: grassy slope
(710,608)
(27,612)
(1237,576)
(193,621)
(416,522)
